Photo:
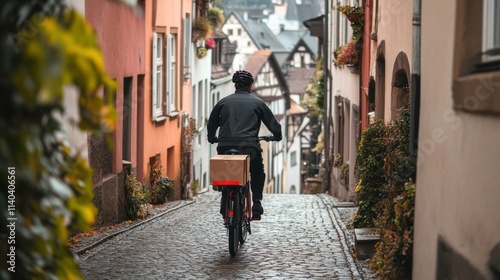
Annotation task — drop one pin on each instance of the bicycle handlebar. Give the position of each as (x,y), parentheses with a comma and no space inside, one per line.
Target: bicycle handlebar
(266,138)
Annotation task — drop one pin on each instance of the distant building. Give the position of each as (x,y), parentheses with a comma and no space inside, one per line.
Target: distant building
(270,85)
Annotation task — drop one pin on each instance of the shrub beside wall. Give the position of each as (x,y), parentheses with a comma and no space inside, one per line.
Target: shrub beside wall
(370,169)
(387,195)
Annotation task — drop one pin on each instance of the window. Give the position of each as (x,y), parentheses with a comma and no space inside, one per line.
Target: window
(171,73)
(293,158)
(199,103)
(336,30)
(217,52)
(157,75)
(187,48)
(127,119)
(230,32)
(345,24)
(477,57)
(239,31)
(491,30)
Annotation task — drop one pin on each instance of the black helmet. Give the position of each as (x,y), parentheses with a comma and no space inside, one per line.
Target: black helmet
(242,77)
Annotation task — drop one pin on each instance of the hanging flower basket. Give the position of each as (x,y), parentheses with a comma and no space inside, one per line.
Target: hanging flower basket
(210,43)
(202,29)
(354,17)
(353,13)
(201,52)
(216,16)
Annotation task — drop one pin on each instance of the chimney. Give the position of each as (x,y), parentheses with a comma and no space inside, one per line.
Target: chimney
(245,16)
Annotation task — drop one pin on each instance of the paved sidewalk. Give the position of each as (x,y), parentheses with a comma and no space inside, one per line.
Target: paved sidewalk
(87,242)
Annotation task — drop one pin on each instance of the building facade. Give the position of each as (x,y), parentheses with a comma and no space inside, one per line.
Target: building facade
(125,62)
(457,191)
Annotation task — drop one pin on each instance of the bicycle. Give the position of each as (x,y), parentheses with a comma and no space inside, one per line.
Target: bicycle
(238,209)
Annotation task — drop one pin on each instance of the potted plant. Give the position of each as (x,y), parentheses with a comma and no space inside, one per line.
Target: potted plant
(216,16)
(202,29)
(347,54)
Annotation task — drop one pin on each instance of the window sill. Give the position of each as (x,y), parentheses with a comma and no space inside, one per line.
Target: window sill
(160,120)
(174,114)
(477,93)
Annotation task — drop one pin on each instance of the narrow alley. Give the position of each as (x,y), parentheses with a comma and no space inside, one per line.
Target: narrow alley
(300,236)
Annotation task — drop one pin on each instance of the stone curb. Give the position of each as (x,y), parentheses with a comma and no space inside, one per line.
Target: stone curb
(341,229)
(81,251)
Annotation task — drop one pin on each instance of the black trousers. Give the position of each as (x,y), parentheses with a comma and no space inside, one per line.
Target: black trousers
(257,175)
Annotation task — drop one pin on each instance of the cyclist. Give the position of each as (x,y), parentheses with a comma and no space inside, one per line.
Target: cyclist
(238,117)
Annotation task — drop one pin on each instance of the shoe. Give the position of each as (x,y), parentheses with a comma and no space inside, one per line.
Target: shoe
(257,210)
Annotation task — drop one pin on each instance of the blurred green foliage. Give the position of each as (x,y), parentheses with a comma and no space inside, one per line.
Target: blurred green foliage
(46,47)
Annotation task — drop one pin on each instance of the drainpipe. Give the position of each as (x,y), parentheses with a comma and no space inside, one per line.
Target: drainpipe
(326,101)
(365,65)
(415,81)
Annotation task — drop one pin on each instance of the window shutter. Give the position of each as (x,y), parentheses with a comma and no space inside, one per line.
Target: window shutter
(154,89)
(170,81)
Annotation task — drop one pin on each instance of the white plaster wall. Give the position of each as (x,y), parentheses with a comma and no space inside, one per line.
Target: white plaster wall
(458,189)
(201,71)
(293,172)
(346,85)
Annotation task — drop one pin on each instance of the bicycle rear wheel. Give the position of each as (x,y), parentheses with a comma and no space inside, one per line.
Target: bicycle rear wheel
(244,223)
(234,211)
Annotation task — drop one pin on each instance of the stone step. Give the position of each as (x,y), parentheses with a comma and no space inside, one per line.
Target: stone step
(365,240)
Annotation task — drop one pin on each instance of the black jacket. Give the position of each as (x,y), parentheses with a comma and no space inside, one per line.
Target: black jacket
(239,116)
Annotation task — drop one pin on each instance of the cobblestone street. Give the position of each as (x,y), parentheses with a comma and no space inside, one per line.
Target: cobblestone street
(299,237)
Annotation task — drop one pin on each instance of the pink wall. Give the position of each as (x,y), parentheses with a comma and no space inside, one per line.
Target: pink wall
(120,33)
(126,41)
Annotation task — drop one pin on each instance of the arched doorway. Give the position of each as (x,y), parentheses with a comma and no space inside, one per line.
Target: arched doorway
(371,100)
(400,94)
(380,82)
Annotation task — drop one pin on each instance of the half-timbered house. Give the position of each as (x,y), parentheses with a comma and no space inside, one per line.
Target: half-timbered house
(270,85)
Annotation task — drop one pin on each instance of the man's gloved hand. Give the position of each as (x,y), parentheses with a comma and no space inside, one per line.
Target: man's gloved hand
(212,140)
(278,137)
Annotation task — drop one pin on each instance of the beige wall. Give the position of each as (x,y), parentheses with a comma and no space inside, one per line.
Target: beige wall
(392,24)
(458,189)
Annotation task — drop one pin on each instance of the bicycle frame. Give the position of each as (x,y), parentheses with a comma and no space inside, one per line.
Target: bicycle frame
(243,191)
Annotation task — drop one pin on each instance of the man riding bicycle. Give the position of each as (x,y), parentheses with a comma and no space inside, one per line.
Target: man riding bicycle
(238,117)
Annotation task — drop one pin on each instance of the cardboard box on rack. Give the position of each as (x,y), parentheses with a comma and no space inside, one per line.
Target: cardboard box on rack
(229,170)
